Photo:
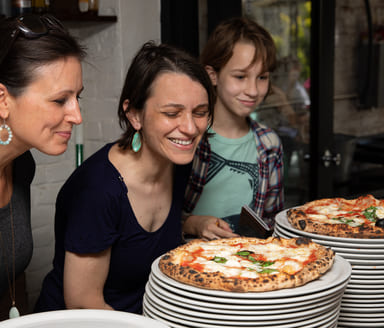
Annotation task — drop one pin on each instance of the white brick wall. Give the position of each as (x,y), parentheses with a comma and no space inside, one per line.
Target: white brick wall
(110,47)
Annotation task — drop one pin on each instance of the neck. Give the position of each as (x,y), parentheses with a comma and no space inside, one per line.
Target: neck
(152,170)
(230,126)
(142,166)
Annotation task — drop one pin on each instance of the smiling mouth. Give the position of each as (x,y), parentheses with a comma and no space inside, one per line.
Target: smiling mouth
(248,102)
(181,142)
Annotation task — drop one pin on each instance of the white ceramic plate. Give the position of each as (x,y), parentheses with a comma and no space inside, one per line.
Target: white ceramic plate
(362,319)
(364,276)
(363,299)
(217,307)
(362,307)
(367,272)
(282,220)
(375,269)
(360,313)
(358,295)
(82,319)
(368,263)
(363,290)
(337,275)
(344,324)
(366,282)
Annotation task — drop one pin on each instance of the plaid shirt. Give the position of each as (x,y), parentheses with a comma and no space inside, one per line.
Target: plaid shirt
(269,197)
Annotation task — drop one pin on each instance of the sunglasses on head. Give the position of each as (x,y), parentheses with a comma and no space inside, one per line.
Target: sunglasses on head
(30,26)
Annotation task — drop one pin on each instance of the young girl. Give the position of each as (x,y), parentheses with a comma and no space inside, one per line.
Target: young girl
(241,163)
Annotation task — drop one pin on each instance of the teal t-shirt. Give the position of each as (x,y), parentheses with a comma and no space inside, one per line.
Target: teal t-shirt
(232,178)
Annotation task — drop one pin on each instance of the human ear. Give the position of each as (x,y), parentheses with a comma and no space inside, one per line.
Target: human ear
(212,74)
(4,101)
(132,115)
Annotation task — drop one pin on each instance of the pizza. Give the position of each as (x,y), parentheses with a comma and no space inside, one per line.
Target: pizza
(246,264)
(362,217)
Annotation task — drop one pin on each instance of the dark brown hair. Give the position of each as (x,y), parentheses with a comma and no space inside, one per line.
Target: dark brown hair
(149,63)
(219,47)
(17,70)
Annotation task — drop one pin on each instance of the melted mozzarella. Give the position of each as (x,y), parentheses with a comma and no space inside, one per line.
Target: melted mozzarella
(380,212)
(234,265)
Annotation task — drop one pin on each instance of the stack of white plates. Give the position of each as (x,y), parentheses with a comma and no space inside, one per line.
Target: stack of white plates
(316,304)
(363,300)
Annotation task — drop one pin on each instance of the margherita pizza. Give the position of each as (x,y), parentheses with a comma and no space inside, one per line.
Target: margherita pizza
(245,264)
(362,217)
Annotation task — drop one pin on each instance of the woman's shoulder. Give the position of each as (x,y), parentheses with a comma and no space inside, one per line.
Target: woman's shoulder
(95,171)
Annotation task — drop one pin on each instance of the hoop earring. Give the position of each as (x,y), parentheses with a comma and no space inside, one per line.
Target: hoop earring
(136,142)
(4,126)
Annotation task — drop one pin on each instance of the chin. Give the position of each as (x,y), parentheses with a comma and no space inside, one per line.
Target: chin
(182,160)
(54,151)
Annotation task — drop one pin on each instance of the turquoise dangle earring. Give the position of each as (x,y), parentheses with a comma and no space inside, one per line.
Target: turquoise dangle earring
(4,126)
(136,142)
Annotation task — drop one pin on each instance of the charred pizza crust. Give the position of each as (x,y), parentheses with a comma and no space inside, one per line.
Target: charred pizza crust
(170,264)
(299,218)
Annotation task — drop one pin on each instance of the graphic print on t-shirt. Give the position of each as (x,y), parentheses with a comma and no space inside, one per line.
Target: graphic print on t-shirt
(218,163)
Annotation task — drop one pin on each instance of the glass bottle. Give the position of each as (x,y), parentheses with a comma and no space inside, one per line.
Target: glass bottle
(83,6)
(39,6)
(93,6)
(19,7)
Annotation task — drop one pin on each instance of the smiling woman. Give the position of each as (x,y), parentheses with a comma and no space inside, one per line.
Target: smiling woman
(121,208)
(40,81)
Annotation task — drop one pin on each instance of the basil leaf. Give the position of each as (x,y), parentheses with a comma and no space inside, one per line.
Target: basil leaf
(243,253)
(268,271)
(219,259)
(350,222)
(370,213)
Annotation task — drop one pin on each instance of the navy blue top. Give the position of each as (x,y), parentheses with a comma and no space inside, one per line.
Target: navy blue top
(93,213)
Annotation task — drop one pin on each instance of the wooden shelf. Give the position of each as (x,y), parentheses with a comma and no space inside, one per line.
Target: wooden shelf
(86,17)
(68,11)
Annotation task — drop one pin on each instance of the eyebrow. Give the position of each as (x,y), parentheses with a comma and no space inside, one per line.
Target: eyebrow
(181,106)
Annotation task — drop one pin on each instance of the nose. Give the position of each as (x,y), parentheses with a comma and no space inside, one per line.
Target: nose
(73,114)
(252,89)
(187,124)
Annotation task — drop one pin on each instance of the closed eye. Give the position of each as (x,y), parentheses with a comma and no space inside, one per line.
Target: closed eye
(201,113)
(171,114)
(60,101)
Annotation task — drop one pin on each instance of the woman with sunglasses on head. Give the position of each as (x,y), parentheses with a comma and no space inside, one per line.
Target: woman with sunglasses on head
(121,209)
(242,162)
(40,82)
